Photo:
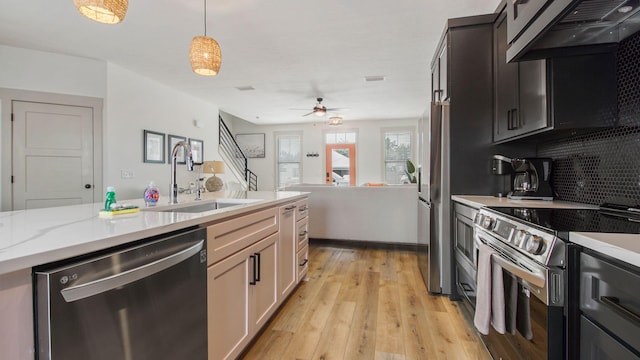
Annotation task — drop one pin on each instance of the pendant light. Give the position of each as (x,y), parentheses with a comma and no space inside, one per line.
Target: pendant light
(204,53)
(103,11)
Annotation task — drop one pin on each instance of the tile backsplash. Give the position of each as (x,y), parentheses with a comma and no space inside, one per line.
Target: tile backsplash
(604,166)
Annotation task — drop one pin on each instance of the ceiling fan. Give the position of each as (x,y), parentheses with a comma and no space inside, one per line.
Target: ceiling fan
(320,110)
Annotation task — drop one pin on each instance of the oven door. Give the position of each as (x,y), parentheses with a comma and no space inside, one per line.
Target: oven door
(540,324)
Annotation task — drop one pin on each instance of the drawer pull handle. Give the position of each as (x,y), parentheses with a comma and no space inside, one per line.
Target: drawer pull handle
(302,234)
(304,262)
(303,208)
(255,270)
(289,208)
(614,303)
(466,287)
(259,266)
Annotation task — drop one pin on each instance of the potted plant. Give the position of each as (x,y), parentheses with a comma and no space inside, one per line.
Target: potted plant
(410,170)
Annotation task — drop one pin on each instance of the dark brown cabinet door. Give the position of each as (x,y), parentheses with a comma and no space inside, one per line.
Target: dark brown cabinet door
(444,78)
(435,81)
(520,91)
(439,80)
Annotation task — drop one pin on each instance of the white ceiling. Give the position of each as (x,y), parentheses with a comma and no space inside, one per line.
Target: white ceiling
(290,51)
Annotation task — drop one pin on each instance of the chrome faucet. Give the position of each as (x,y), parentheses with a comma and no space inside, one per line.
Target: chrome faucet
(173,194)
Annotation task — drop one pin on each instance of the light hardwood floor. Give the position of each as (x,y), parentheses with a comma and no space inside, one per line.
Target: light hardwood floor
(366,303)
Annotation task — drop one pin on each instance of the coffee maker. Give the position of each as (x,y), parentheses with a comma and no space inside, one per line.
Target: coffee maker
(531,179)
(502,168)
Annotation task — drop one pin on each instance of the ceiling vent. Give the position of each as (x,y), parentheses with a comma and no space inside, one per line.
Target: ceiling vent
(373,78)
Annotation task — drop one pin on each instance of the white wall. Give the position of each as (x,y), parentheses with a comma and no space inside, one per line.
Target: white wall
(132,103)
(135,103)
(48,72)
(368,149)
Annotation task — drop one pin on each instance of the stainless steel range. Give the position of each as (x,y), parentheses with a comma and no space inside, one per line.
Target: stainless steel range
(532,244)
(536,258)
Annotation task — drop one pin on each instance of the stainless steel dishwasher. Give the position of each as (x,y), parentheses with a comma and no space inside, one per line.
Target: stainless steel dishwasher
(143,302)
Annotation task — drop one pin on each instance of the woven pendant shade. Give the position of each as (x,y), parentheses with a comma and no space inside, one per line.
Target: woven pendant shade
(103,11)
(205,56)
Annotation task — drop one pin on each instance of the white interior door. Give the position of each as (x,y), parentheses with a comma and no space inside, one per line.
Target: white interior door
(52,159)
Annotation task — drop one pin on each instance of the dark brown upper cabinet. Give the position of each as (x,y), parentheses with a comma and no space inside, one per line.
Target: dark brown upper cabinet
(439,76)
(563,92)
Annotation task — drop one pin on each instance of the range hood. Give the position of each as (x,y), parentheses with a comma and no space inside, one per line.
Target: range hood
(569,25)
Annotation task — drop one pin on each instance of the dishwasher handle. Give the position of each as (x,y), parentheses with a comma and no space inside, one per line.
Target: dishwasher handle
(82,291)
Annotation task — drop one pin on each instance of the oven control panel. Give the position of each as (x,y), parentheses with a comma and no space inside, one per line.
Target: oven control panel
(504,229)
(532,242)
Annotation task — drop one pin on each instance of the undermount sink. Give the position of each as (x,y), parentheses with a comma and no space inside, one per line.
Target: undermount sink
(208,206)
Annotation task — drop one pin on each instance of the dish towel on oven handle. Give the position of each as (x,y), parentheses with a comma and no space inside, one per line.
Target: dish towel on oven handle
(490,293)
(511,301)
(523,318)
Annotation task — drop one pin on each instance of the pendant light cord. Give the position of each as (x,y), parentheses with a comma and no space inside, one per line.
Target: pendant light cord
(205,17)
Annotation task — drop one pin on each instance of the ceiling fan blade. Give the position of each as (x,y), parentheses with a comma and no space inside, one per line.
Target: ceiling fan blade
(309,113)
(336,109)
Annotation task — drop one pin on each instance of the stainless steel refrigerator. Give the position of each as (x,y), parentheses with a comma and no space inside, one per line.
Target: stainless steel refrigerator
(456,141)
(434,238)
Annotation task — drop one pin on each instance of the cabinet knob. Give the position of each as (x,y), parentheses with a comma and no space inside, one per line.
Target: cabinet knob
(88,186)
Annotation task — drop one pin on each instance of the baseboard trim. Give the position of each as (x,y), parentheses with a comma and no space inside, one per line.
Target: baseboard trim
(361,244)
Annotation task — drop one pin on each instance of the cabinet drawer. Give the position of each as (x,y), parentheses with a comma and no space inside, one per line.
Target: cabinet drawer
(609,296)
(302,233)
(302,209)
(303,263)
(596,344)
(228,237)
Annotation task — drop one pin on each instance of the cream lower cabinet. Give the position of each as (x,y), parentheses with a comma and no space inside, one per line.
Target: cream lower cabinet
(253,266)
(287,261)
(242,296)
(302,248)
(302,243)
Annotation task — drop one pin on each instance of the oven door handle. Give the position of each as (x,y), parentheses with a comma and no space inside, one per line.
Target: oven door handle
(536,279)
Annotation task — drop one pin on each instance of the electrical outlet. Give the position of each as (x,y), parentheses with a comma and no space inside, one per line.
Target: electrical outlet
(126,174)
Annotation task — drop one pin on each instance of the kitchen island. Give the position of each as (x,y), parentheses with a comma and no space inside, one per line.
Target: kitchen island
(384,214)
(30,238)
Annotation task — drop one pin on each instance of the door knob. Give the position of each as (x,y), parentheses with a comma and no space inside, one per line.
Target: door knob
(87,186)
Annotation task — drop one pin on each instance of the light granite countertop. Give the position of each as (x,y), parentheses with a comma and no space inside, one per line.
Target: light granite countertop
(39,236)
(624,247)
(477,202)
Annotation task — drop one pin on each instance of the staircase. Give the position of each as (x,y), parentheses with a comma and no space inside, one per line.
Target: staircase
(234,158)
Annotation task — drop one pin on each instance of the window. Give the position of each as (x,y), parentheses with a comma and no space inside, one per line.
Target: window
(289,147)
(398,148)
(348,137)
(340,151)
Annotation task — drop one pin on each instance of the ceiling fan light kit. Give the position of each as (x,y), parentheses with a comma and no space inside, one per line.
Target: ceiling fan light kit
(103,11)
(204,53)
(320,110)
(335,121)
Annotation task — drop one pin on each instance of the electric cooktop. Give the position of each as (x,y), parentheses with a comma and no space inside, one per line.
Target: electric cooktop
(608,219)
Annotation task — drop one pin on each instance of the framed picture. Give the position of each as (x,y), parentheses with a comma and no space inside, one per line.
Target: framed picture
(173,140)
(197,151)
(252,145)
(153,147)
